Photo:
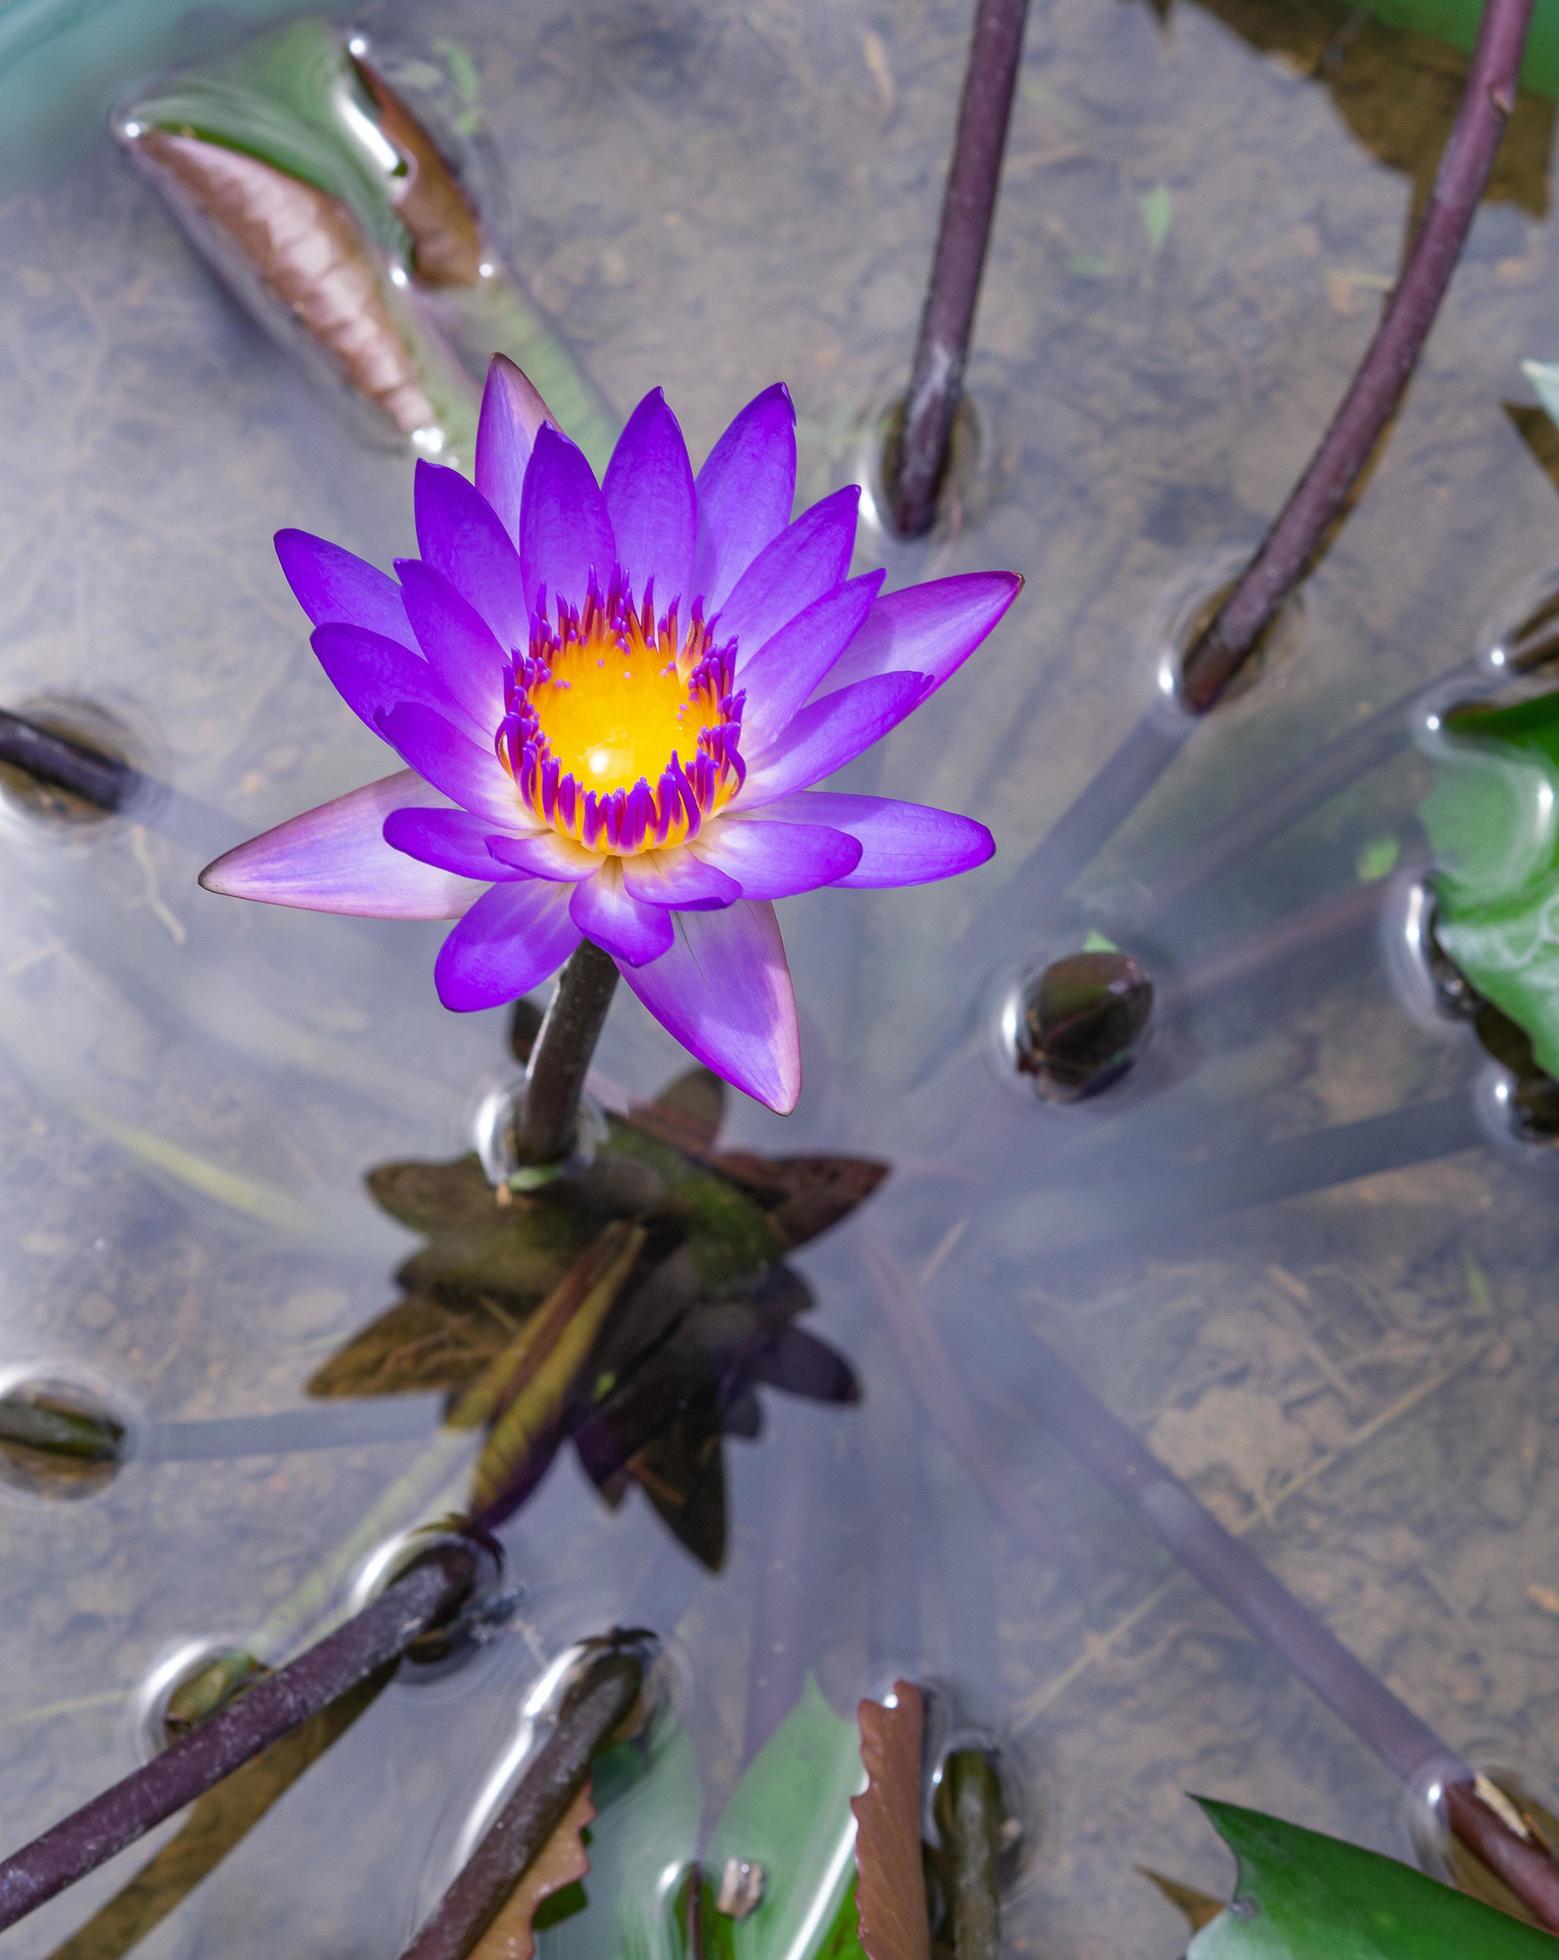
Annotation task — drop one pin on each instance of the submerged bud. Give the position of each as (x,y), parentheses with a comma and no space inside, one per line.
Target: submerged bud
(1082,1023)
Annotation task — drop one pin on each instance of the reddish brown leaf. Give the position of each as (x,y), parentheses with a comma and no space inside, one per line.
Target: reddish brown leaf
(891,1881)
(562,1860)
(306,250)
(445,232)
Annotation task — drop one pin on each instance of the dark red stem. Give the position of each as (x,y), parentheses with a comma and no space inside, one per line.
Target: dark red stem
(968,208)
(1321,493)
(277,1704)
(602,1702)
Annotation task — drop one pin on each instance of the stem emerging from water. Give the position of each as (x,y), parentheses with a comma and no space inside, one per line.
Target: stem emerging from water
(600,1705)
(273,1707)
(1321,493)
(548,1122)
(968,208)
(97,779)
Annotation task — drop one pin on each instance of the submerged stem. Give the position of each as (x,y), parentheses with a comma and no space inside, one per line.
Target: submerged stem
(546,1128)
(971,1813)
(1322,492)
(1232,1572)
(968,208)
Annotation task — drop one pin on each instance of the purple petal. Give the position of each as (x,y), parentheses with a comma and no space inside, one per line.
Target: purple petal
(901,843)
(335,859)
(565,532)
(677,877)
(724,991)
(631,931)
(452,839)
(784,674)
(460,534)
(547,855)
(777,860)
(807,559)
(829,733)
(514,937)
(929,629)
(470,776)
(331,585)
(745,491)
(457,642)
(649,496)
(512,412)
(374,675)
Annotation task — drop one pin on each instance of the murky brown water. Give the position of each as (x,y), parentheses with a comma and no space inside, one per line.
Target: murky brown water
(192,1092)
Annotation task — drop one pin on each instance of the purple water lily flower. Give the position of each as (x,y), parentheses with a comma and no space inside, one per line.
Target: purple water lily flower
(612,701)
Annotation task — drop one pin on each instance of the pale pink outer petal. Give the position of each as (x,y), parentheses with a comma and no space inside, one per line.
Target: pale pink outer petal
(335,859)
(512,412)
(724,992)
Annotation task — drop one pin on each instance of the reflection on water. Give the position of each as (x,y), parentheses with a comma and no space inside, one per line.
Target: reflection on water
(1340,1336)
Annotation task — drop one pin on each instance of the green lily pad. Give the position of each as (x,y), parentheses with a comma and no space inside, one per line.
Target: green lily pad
(1302,1896)
(1493,823)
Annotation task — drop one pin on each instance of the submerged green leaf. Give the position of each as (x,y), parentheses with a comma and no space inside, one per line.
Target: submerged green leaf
(1493,823)
(1302,1896)
(1456,21)
(1377,859)
(791,1815)
(1158,209)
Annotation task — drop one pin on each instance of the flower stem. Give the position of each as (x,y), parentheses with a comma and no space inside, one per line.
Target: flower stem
(1318,500)
(1319,497)
(98,779)
(971,1813)
(548,1122)
(601,1703)
(968,208)
(274,1706)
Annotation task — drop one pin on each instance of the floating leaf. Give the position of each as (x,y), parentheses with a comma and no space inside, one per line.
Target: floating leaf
(562,1860)
(891,1879)
(1457,21)
(1493,823)
(791,1815)
(303,252)
(1302,1896)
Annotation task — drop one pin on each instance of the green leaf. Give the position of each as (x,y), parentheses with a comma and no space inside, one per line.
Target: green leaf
(1493,823)
(1377,859)
(791,1814)
(1158,209)
(1456,21)
(1302,1896)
